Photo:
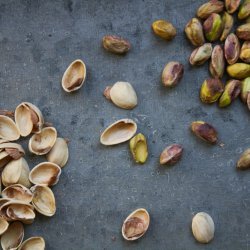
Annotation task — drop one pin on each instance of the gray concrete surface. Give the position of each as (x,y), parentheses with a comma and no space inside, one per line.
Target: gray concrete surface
(101,185)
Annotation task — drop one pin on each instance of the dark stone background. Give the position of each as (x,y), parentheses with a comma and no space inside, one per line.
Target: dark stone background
(101,185)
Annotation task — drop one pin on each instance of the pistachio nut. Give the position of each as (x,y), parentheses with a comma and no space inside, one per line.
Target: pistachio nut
(239,70)
(213,27)
(243,32)
(171,154)
(211,90)
(217,63)
(244,161)
(204,131)
(115,44)
(247,20)
(245,90)
(203,227)
(232,49)
(232,5)
(227,23)
(164,29)
(201,54)
(244,10)
(139,149)
(194,32)
(210,7)
(172,73)
(231,92)
(245,52)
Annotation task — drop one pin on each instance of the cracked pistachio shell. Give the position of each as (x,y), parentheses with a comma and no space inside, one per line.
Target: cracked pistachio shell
(244,161)
(245,89)
(232,5)
(231,92)
(164,29)
(239,70)
(3,225)
(232,49)
(213,27)
(13,150)
(116,44)
(204,131)
(203,227)
(171,154)
(8,129)
(243,32)
(210,7)
(33,243)
(211,90)
(227,23)
(244,10)
(217,63)
(172,73)
(245,52)
(194,32)
(201,54)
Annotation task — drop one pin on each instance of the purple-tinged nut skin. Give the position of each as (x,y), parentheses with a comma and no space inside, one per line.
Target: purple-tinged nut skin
(245,52)
(232,49)
(194,32)
(171,154)
(244,10)
(172,73)
(116,44)
(232,5)
(227,23)
(201,54)
(213,6)
(217,63)
(243,32)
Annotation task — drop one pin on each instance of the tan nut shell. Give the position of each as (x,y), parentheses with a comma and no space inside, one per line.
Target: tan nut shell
(4,159)
(8,129)
(33,243)
(14,150)
(3,225)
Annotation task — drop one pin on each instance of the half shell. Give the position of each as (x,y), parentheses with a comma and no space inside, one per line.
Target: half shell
(33,243)
(14,150)
(118,132)
(3,225)
(8,129)
(74,76)
(41,144)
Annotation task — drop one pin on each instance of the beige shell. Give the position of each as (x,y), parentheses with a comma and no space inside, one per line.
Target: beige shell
(41,144)
(14,150)
(4,158)
(16,172)
(59,154)
(43,200)
(33,243)
(45,173)
(8,129)
(136,224)
(28,118)
(74,76)
(3,225)
(118,132)
(13,236)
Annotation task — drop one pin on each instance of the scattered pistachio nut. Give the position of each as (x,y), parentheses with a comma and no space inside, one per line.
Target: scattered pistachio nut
(245,52)
(245,89)
(172,73)
(171,154)
(232,49)
(244,161)
(227,23)
(164,29)
(243,32)
(116,44)
(210,7)
(244,10)
(217,63)
(239,70)
(232,5)
(201,54)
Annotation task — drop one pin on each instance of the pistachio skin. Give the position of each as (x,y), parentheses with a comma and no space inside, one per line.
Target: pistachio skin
(245,90)
(243,32)
(244,10)
(227,23)
(232,49)
(171,154)
(232,5)
(164,29)
(239,70)
(194,32)
(172,73)
(115,44)
(245,52)
(210,7)
(244,161)
(201,54)
(217,63)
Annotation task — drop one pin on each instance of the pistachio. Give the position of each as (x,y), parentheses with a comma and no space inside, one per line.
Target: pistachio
(243,32)
(164,29)
(194,32)
(239,70)
(203,227)
(172,73)
(227,23)
(217,63)
(139,148)
(244,10)
(210,7)
(245,90)
(204,131)
(213,27)
(232,49)
(201,54)
(211,90)
(232,5)
(171,154)
(245,52)
(247,20)
(244,161)
(231,92)
(116,44)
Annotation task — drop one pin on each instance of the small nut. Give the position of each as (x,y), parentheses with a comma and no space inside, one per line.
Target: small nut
(203,227)
(217,63)
(116,44)
(201,54)
(171,154)
(247,20)
(164,29)
(239,70)
(244,10)
(245,89)
(210,7)
(231,92)
(204,131)
(194,32)
(244,161)
(227,23)
(172,73)
(245,52)
(211,90)
(232,5)
(243,32)
(232,49)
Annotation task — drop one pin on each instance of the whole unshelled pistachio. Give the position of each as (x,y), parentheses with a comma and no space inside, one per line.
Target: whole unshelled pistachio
(194,32)
(227,23)
(232,5)
(243,32)
(171,154)
(244,10)
(210,7)
(172,73)
(164,29)
(116,44)
(245,52)
(239,70)
(217,63)
(245,90)
(232,49)
(244,161)
(201,54)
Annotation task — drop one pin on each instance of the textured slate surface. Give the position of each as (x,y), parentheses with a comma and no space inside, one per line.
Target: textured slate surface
(101,185)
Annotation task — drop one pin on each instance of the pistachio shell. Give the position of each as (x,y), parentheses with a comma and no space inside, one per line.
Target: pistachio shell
(8,129)
(33,243)
(227,23)
(3,225)
(194,32)
(164,29)
(232,5)
(5,158)
(14,150)
(239,70)
(171,154)
(244,161)
(245,52)
(232,49)
(210,7)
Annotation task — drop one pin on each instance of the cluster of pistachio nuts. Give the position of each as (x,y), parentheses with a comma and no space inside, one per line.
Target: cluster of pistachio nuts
(27,191)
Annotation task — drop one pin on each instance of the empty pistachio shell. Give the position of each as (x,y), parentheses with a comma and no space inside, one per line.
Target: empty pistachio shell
(245,89)
(74,76)
(171,154)
(204,131)
(245,52)
(203,227)
(232,5)
(122,94)
(8,113)
(210,7)
(139,148)
(201,54)
(33,243)
(227,23)
(115,44)
(118,132)
(244,161)
(239,70)
(211,90)
(243,32)
(14,150)
(217,63)
(172,73)
(3,225)
(4,158)
(232,49)
(8,129)
(194,32)
(244,10)
(231,92)
(164,29)
(136,224)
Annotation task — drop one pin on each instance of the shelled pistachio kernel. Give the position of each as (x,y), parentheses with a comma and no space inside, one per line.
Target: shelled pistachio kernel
(164,29)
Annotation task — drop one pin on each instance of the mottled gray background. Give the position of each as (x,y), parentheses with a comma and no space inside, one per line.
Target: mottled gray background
(101,185)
